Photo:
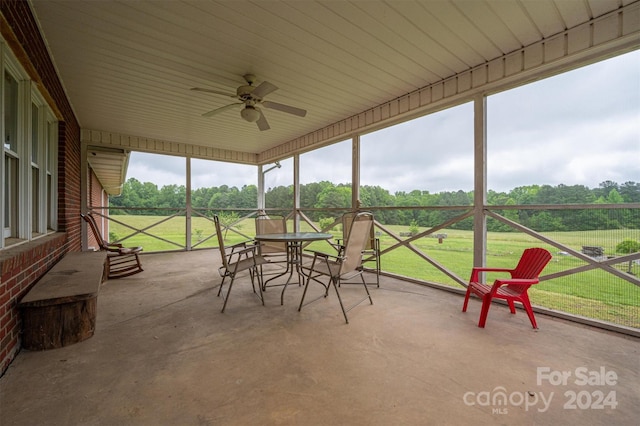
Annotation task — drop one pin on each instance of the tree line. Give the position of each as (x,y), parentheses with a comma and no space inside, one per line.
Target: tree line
(322,195)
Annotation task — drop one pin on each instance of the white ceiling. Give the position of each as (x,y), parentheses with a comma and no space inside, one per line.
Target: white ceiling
(128,66)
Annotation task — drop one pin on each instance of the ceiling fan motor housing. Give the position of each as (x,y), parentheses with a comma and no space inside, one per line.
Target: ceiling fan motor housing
(244,92)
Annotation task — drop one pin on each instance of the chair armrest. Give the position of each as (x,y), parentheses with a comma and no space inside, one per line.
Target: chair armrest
(247,249)
(324,258)
(129,250)
(487,269)
(516,281)
(240,249)
(114,248)
(477,269)
(321,254)
(322,264)
(241,245)
(338,245)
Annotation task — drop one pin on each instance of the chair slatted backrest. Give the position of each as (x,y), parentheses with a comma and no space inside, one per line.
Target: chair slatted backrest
(271,225)
(96,232)
(359,234)
(531,263)
(216,221)
(530,266)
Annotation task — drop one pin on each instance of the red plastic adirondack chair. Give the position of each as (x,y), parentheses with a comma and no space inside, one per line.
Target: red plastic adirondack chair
(512,289)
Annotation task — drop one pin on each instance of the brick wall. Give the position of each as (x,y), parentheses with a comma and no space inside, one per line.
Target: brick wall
(21,266)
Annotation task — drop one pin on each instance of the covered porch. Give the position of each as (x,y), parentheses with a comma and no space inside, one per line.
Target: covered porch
(94,79)
(163,353)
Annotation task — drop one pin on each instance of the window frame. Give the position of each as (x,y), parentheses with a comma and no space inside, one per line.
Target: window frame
(12,155)
(28,194)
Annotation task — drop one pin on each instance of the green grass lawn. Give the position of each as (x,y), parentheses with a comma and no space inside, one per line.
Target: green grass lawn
(595,294)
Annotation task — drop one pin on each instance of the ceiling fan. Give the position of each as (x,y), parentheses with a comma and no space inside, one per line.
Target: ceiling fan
(251,96)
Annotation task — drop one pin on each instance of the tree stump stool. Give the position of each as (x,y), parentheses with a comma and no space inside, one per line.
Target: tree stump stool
(60,309)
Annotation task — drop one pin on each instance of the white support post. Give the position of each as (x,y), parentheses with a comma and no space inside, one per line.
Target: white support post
(188,206)
(84,208)
(260,188)
(480,179)
(355,172)
(296,192)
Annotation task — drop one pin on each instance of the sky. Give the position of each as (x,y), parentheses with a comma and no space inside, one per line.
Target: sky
(577,128)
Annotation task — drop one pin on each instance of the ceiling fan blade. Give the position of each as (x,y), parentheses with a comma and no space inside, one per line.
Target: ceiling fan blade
(221,109)
(264,89)
(217,92)
(262,122)
(285,108)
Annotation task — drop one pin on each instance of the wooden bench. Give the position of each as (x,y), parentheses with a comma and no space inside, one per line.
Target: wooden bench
(60,309)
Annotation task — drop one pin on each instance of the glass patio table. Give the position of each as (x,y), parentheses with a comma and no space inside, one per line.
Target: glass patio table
(294,241)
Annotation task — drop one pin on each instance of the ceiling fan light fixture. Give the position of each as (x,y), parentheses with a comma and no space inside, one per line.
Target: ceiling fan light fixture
(250,96)
(250,114)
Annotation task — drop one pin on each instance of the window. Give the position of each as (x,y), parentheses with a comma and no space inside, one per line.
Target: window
(29,151)
(11,156)
(50,155)
(416,159)
(10,90)
(578,129)
(325,178)
(36,138)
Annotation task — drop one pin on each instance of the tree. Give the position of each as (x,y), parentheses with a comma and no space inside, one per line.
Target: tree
(614,197)
(135,194)
(325,194)
(248,197)
(227,220)
(413,228)
(604,188)
(280,197)
(544,221)
(630,192)
(309,193)
(336,197)
(524,194)
(172,196)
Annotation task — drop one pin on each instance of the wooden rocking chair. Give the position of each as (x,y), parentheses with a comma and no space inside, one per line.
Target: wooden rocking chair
(121,261)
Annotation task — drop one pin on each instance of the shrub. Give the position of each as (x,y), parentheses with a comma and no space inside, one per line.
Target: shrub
(413,228)
(628,246)
(325,222)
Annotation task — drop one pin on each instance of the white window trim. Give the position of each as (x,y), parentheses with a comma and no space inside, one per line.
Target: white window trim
(46,163)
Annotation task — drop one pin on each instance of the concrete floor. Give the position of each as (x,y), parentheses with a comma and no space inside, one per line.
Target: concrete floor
(163,354)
